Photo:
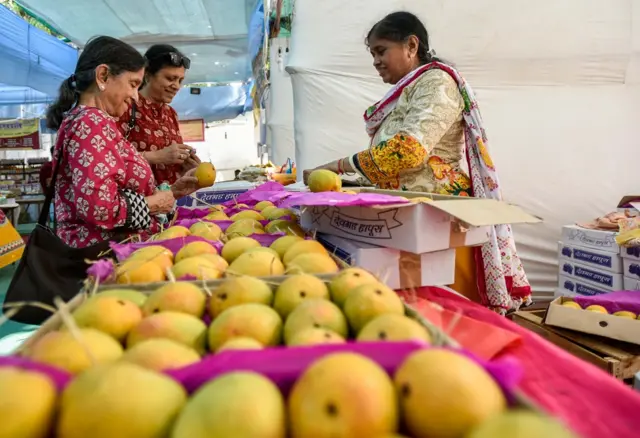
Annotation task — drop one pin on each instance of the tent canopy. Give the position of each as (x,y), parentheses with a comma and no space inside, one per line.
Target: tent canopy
(32,60)
(212,33)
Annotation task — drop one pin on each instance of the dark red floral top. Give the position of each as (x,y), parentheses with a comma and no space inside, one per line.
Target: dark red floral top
(156,127)
(101,188)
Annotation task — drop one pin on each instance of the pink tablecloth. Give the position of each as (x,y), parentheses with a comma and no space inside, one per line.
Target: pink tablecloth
(592,403)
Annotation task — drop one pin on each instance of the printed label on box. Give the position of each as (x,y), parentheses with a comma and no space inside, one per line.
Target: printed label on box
(211,197)
(588,274)
(576,287)
(592,257)
(631,268)
(372,228)
(597,239)
(631,253)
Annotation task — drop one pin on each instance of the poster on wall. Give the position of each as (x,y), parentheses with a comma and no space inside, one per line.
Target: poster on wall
(192,130)
(20,134)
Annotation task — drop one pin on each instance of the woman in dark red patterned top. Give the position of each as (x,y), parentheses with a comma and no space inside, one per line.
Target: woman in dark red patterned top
(104,188)
(155,130)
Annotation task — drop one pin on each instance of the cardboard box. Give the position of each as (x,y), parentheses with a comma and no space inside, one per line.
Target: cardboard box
(590,257)
(219,193)
(631,268)
(631,283)
(596,277)
(630,253)
(569,287)
(630,205)
(421,227)
(600,324)
(594,239)
(399,269)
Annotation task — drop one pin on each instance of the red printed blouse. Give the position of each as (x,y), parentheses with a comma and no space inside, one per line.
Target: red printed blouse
(156,127)
(102,185)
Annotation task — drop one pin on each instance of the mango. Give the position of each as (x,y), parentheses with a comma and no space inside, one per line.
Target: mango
(61,349)
(329,401)
(110,315)
(239,290)
(206,174)
(179,327)
(27,403)
(120,400)
(255,321)
(228,407)
(161,354)
(176,297)
(322,180)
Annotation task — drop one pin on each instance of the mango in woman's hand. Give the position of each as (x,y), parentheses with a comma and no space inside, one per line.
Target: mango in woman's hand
(206,174)
(323,180)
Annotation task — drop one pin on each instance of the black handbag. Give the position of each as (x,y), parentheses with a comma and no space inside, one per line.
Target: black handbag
(49,267)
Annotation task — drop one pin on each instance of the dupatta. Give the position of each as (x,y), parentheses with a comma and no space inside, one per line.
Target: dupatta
(502,282)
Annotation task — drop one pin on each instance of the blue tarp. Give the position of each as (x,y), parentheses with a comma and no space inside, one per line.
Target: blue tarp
(213,103)
(32,58)
(256,31)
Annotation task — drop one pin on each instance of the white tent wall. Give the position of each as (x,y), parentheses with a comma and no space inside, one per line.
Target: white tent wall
(558,82)
(280,104)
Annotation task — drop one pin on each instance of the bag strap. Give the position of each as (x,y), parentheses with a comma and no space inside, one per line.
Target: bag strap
(51,190)
(132,121)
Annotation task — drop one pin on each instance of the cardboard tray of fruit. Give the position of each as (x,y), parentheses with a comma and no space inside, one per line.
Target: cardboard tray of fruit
(204,246)
(615,315)
(317,385)
(203,301)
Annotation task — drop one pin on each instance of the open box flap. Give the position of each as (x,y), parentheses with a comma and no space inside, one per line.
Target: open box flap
(629,199)
(484,212)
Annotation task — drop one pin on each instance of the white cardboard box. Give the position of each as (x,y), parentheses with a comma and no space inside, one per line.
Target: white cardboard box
(631,283)
(631,268)
(596,277)
(630,253)
(217,194)
(420,227)
(590,257)
(600,324)
(399,269)
(569,286)
(594,239)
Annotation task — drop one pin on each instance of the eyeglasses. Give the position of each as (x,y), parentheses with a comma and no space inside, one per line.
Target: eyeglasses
(175,59)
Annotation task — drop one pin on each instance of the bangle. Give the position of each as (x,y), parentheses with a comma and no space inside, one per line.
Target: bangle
(345,168)
(340,171)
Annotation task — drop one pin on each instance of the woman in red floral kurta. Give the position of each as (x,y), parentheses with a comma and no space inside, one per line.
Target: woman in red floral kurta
(104,188)
(155,130)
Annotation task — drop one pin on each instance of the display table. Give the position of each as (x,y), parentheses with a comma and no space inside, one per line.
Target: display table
(590,401)
(12,211)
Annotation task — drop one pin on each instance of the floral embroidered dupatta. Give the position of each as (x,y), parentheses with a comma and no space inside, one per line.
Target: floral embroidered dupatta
(502,282)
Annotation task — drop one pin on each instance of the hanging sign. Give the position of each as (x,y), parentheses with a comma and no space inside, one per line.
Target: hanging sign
(192,130)
(20,134)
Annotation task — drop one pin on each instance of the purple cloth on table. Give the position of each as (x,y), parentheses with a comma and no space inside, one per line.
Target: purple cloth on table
(628,300)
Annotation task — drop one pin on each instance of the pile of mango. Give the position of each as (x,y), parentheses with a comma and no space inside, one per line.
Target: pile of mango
(118,344)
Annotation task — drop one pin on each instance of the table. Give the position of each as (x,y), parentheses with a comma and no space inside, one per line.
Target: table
(591,402)
(27,201)
(12,211)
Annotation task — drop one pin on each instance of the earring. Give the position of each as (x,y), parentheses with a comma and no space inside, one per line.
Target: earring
(101,87)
